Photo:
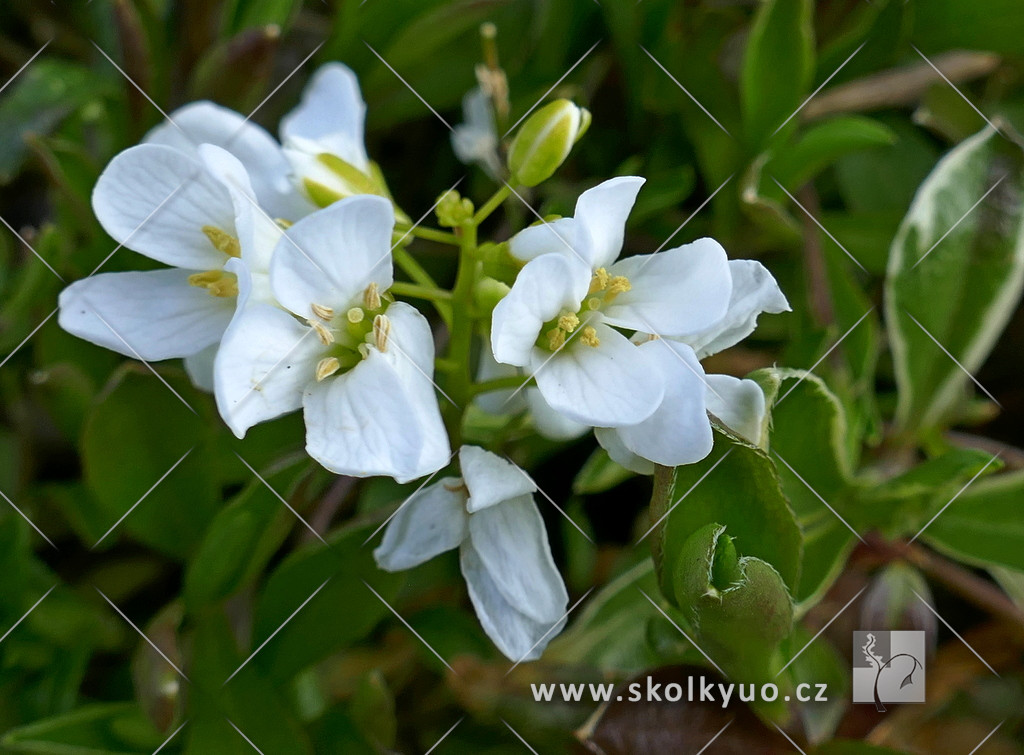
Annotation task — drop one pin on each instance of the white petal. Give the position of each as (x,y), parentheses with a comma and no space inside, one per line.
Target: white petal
(331,114)
(551,237)
(609,385)
(754,291)
(601,213)
(738,403)
(430,522)
(674,293)
(545,288)
(151,315)
(549,423)
(611,441)
(490,478)
(156,200)
(330,257)
(199,367)
(513,544)
(508,401)
(476,140)
(679,431)
(257,233)
(208,123)
(515,634)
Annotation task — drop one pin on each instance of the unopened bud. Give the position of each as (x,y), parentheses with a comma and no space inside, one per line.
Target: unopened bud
(544,141)
(453,209)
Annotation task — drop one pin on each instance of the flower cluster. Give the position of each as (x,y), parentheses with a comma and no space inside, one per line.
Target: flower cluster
(279,293)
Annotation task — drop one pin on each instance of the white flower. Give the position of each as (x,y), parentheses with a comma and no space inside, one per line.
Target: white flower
(491,517)
(476,140)
(559,319)
(194,214)
(678,432)
(359,366)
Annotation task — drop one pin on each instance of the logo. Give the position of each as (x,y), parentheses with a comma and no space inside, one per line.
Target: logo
(888,667)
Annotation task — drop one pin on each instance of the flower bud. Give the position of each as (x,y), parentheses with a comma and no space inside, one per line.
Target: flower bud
(488,293)
(544,141)
(453,209)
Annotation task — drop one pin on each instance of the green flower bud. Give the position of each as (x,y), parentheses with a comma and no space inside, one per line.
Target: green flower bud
(544,141)
(498,263)
(453,209)
(488,293)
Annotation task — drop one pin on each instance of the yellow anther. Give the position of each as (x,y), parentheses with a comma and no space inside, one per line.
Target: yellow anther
(593,303)
(617,285)
(589,336)
(568,322)
(326,367)
(600,280)
(355,315)
(556,338)
(216,282)
(223,241)
(323,312)
(381,331)
(326,337)
(282,223)
(371,297)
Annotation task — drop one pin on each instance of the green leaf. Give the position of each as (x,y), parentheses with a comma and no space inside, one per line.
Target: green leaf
(955,275)
(100,729)
(736,486)
(135,436)
(818,663)
(852,747)
(598,474)
(343,611)
(996,25)
(240,15)
(822,144)
(777,67)
(983,526)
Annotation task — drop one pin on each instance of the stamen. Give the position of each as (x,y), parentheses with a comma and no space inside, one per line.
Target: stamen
(326,367)
(617,285)
(284,224)
(593,303)
(600,280)
(589,336)
(556,338)
(323,312)
(216,282)
(223,241)
(364,350)
(568,322)
(381,331)
(355,315)
(326,337)
(371,297)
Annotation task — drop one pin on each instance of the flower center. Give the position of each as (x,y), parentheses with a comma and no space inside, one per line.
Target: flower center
(216,282)
(223,241)
(604,288)
(348,335)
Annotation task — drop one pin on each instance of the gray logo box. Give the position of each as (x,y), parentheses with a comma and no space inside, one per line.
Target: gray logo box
(888,667)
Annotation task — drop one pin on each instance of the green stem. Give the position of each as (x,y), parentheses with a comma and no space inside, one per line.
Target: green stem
(425,282)
(431,234)
(492,204)
(416,291)
(460,379)
(500,384)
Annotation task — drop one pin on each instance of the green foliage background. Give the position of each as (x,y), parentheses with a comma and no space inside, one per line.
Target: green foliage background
(747,118)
